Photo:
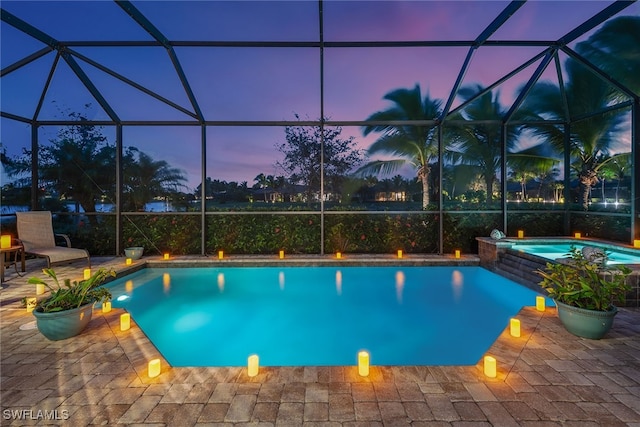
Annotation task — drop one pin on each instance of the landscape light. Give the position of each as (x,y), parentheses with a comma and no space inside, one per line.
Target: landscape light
(153,368)
(363,363)
(125,321)
(514,327)
(253,365)
(490,366)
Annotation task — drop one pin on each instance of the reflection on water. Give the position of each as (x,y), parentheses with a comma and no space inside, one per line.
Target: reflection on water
(221,282)
(399,285)
(457,284)
(155,206)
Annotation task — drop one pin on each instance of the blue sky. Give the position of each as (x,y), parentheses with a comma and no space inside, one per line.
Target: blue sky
(271,84)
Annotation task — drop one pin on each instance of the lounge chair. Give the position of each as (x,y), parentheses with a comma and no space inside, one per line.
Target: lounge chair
(35,232)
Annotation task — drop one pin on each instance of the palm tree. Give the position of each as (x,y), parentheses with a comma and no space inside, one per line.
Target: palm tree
(617,169)
(146,179)
(262,181)
(615,49)
(477,146)
(410,144)
(591,140)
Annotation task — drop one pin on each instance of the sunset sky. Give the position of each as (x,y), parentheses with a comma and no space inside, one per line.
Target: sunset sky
(262,84)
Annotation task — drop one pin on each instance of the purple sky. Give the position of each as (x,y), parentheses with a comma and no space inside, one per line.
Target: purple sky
(269,84)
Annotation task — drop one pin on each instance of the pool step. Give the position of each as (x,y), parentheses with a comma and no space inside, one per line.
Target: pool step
(520,268)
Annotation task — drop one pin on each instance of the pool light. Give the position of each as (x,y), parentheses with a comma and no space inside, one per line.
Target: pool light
(125,321)
(456,254)
(253,365)
(514,328)
(106,306)
(577,235)
(363,363)
(281,254)
(399,253)
(220,254)
(153,368)
(490,366)
(166,256)
(39,289)
(339,255)
(520,234)
(86,273)
(540,303)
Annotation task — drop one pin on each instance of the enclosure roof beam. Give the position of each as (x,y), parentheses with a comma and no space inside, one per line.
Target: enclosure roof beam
(137,16)
(497,83)
(598,72)
(14,117)
(86,81)
(24,61)
(532,81)
(504,16)
(55,44)
(595,20)
(620,106)
(21,25)
(132,83)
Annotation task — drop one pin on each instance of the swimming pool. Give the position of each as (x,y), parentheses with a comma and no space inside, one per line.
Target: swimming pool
(320,316)
(554,250)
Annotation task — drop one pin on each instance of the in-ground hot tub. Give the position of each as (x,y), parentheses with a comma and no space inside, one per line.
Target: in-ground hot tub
(544,249)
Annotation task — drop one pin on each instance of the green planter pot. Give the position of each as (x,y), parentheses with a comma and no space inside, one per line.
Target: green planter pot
(585,323)
(65,324)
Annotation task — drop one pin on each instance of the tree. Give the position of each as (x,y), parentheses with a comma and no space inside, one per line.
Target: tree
(410,144)
(77,165)
(592,140)
(478,146)
(302,163)
(262,181)
(615,49)
(146,179)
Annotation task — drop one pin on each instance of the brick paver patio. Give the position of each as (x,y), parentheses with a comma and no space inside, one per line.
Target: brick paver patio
(546,377)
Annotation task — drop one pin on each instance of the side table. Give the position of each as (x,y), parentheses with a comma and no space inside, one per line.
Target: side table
(14,250)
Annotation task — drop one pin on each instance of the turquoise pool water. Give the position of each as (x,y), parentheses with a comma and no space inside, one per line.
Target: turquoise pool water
(554,251)
(321,316)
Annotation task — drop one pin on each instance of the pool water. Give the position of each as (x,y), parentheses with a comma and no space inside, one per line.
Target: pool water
(321,316)
(554,251)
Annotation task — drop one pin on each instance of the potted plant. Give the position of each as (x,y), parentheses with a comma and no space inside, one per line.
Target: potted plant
(68,308)
(134,252)
(585,289)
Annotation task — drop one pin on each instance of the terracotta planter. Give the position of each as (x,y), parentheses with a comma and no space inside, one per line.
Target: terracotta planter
(61,325)
(592,324)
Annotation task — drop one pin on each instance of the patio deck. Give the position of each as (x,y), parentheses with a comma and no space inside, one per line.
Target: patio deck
(547,377)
